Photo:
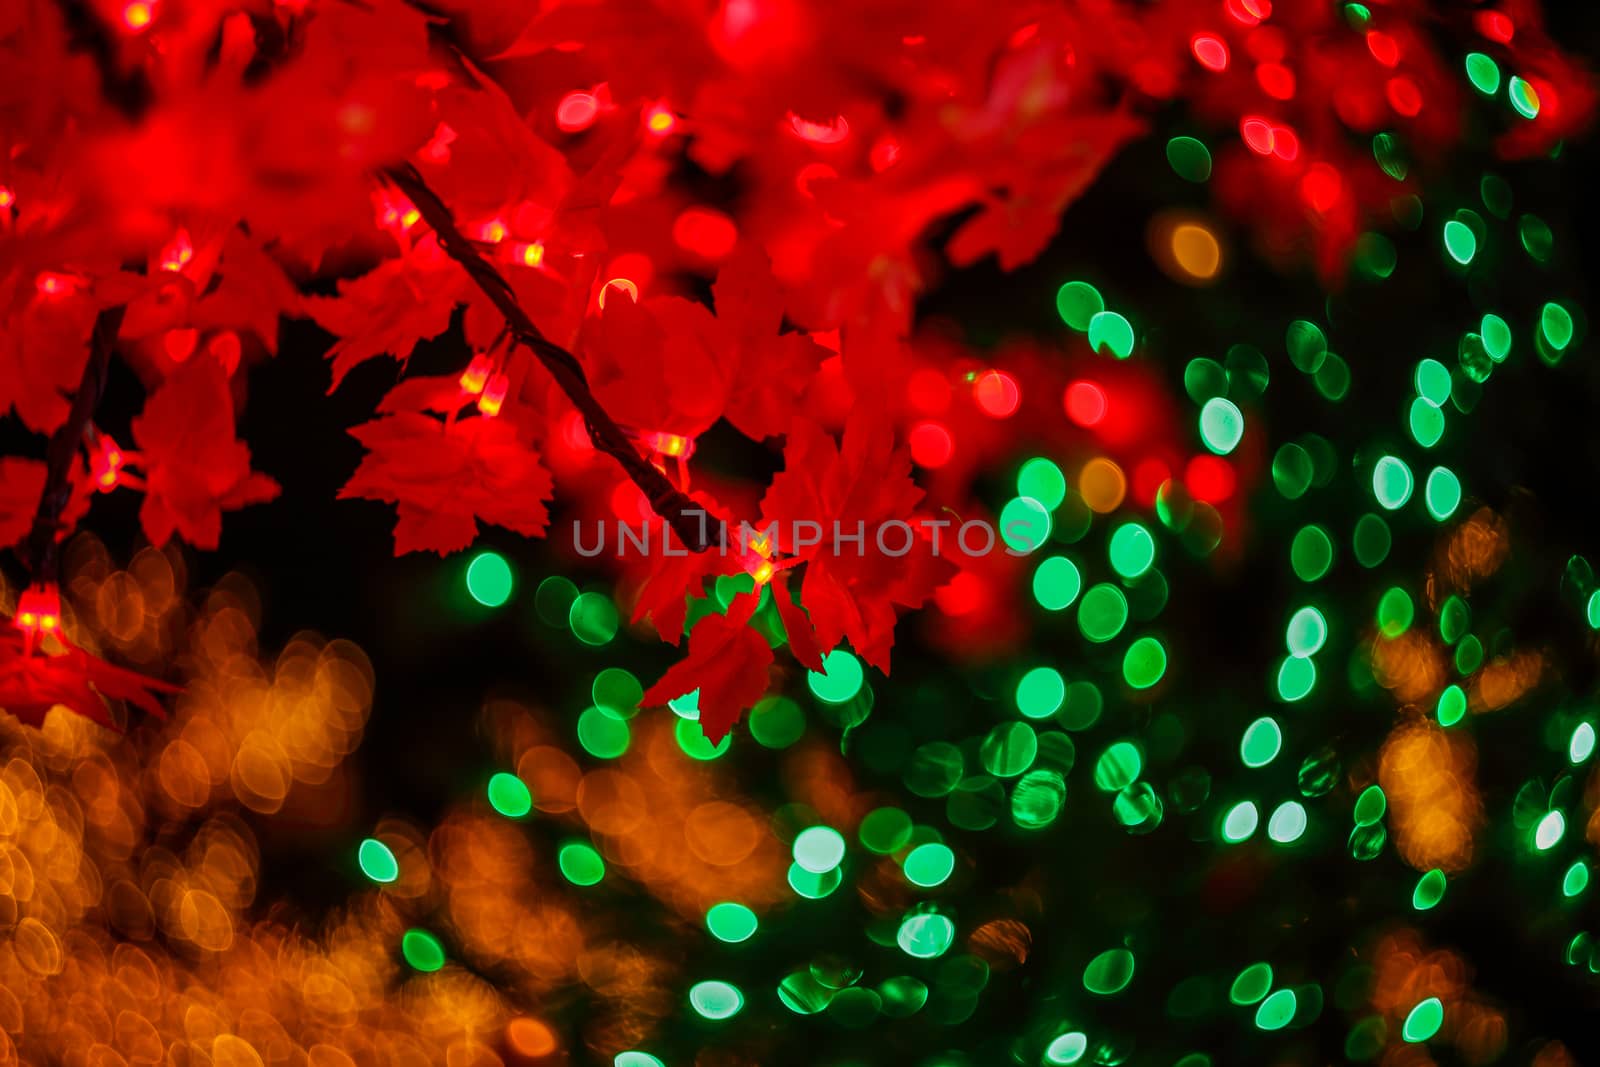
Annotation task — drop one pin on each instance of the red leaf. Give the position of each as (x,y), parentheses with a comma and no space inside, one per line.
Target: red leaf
(767,371)
(797,624)
(727,662)
(195,466)
(445,478)
(862,485)
(44,342)
(21,485)
(33,683)
(386,311)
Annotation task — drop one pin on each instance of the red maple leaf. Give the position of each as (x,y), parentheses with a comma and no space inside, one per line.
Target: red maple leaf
(727,662)
(44,342)
(766,371)
(33,682)
(21,485)
(861,485)
(195,466)
(445,477)
(386,311)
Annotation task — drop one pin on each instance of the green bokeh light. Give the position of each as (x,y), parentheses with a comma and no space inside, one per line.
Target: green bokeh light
(925,935)
(1261,743)
(929,865)
(422,950)
(1110,332)
(1132,550)
(715,1000)
(580,863)
(1307,632)
(1288,822)
(1423,1021)
(1056,583)
(1102,613)
(819,849)
(731,922)
(1441,494)
(1221,425)
(603,733)
(1109,973)
(1145,663)
(839,680)
(1277,1010)
(1429,891)
(1240,822)
(1190,159)
(1311,553)
(377,861)
(509,795)
(1391,482)
(489,579)
(1042,480)
(593,618)
(1040,692)
(1078,303)
(1483,73)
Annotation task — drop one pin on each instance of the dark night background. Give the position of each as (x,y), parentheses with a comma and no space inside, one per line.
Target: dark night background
(1531,450)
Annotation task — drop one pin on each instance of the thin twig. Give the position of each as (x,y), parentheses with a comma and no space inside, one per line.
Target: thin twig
(40,550)
(669,502)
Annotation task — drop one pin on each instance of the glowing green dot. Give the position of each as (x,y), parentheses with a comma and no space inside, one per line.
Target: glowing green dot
(593,619)
(1240,822)
(1037,800)
(1425,421)
(509,795)
(1370,541)
(1483,73)
(1581,745)
(1024,525)
(489,579)
(1109,973)
(715,1000)
(1333,378)
(925,935)
(1429,891)
(1524,98)
(1144,664)
(1078,303)
(1041,692)
(1287,823)
(1537,238)
(1132,550)
(1391,482)
(1109,331)
(1555,322)
(636,1059)
(1370,806)
(686,706)
(1548,833)
(1576,880)
(1118,766)
(1395,612)
(884,830)
(1221,425)
(1292,470)
(1390,155)
(580,864)
(1452,705)
(603,733)
(1307,345)
(422,950)
(1252,984)
(1102,613)
(814,885)
(1009,749)
(929,865)
(1592,610)
(1056,583)
(731,922)
(377,861)
(1311,553)
(1307,632)
(1496,334)
(1297,676)
(839,680)
(1469,655)
(1069,1047)
(1423,1021)
(1441,493)
(1277,1010)
(819,849)
(694,743)
(777,722)
(1432,381)
(1043,481)
(1261,742)
(1190,159)
(1460,241)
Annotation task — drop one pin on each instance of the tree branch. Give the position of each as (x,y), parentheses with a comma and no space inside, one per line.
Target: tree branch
(685,518)
(39,551)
